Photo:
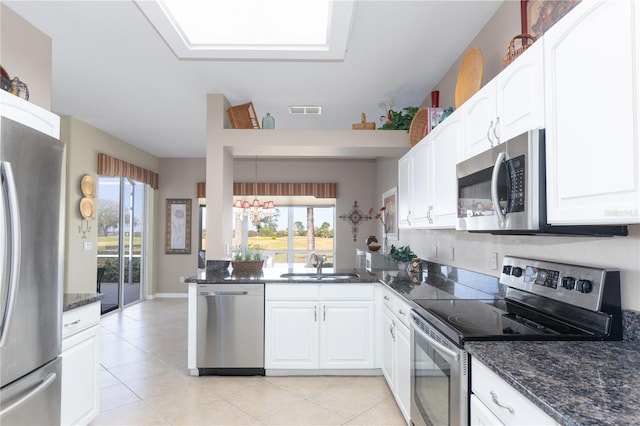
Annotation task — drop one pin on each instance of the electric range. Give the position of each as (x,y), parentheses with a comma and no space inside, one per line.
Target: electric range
(533,300)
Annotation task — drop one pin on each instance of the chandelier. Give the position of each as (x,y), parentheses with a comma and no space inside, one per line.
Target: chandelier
(254,211)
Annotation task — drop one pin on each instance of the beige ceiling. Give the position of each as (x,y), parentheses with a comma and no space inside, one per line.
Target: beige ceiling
(112,69)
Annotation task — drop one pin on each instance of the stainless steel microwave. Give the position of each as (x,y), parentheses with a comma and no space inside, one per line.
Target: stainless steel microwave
(503,191)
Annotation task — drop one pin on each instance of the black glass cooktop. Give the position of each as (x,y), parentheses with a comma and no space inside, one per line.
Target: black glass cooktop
(495,319)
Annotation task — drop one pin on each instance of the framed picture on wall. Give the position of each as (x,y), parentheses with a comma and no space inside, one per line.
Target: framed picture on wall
(539,15)
(178,226)
(390,203)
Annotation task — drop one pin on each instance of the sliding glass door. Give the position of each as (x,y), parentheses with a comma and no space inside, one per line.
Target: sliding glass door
(121,241)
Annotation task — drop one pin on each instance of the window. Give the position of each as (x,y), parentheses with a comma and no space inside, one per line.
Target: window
(285,236)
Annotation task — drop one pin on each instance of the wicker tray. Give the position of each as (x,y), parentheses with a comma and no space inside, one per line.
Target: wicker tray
(247,265)
(419,129)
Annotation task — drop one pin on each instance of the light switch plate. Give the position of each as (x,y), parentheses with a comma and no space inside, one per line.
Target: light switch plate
(87,245)
(493,261)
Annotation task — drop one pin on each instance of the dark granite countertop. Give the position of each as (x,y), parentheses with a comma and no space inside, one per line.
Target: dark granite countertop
(576,383)
(76,300)
(273,275)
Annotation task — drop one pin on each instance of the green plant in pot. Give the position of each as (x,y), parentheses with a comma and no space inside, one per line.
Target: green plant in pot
(400,120)
(401,255)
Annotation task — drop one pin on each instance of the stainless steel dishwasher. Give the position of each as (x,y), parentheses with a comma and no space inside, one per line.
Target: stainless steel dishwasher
(230,329)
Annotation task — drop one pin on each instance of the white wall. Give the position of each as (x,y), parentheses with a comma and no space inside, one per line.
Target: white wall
(25,53)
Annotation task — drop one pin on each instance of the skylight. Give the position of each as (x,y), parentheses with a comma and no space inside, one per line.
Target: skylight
(253,29)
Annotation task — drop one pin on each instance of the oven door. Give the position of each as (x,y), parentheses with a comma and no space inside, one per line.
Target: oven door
(439,377)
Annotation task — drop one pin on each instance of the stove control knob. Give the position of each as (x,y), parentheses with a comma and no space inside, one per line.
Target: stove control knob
(569,283)
(584,286)
(516,271)
(506,269)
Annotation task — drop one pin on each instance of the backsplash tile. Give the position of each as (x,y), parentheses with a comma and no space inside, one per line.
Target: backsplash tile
(631,326)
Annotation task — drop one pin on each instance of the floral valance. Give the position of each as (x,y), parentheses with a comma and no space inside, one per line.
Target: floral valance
(111,166)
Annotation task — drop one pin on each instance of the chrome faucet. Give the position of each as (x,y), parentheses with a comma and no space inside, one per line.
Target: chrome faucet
(319,262)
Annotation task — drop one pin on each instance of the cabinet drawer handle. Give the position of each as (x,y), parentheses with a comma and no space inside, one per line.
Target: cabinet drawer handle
(494,396)
(386,298)
(401,312)
(72,323)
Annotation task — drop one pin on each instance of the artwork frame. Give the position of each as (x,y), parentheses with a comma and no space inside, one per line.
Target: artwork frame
(537,16)
(177,226)
(390,203)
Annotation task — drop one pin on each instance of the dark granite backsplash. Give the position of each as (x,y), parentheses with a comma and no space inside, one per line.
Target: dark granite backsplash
(631,326)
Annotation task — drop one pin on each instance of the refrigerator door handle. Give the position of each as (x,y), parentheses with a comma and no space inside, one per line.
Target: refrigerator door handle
(51,377)
(6,175)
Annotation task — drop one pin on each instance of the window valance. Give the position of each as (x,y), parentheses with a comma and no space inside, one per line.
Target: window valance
(111,166)
(318,190)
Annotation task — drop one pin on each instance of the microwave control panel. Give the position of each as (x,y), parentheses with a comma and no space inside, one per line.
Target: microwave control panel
(516,168)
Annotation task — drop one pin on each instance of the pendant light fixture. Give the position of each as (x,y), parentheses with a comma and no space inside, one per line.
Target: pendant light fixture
(255,210)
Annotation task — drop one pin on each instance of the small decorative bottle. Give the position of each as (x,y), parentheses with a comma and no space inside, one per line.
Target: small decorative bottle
(268,122)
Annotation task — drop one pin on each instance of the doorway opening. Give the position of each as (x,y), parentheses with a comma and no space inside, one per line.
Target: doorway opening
(122,208)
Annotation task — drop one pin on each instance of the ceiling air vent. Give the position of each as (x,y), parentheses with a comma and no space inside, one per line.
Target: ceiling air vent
(305,110)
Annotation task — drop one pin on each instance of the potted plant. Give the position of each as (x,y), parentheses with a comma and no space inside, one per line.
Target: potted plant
(400,120)
(248,258)
(402,256)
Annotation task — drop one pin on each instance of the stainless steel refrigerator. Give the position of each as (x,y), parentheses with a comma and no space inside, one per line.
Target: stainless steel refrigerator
(31,170)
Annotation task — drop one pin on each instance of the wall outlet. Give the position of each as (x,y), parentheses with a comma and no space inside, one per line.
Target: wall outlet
(181,278)
(451,254)
(434,251)
(87,246)
(493,261)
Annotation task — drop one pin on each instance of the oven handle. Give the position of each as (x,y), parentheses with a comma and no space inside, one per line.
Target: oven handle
(437,345)
(502,156)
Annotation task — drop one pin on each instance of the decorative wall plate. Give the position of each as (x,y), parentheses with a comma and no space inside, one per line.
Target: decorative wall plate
(87,208)
(88,186)
(469,76)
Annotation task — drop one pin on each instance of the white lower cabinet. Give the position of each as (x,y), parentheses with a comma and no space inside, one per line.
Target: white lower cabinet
(396,361)
(319,326)
(493,398)
(80,365)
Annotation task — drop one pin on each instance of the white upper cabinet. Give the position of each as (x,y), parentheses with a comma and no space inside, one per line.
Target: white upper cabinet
(427,186)
(593,154)
(29,114)
(404,191)
(420,197)
(510,104)
(442,180)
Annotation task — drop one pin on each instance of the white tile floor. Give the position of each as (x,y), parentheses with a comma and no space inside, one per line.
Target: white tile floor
(144,381)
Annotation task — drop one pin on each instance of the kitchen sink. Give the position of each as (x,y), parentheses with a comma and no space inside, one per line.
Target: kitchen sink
(311,276)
